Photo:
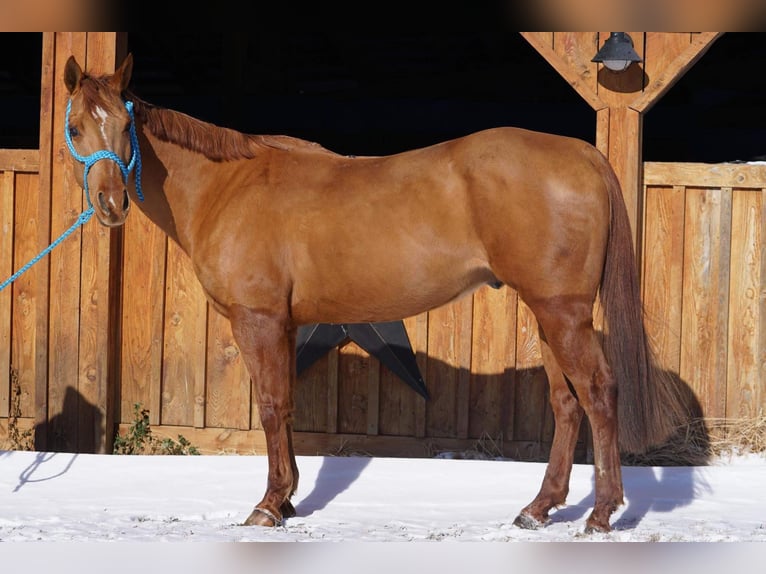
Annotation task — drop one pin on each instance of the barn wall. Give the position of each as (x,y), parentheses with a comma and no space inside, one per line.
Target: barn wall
(115,318)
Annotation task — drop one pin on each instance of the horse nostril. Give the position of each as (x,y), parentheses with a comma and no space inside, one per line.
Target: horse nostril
(102,202)
(125,200)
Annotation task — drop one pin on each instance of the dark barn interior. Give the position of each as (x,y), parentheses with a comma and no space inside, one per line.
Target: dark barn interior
(358,89)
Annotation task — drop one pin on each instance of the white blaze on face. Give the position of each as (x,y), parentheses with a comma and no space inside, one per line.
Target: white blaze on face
(99,114)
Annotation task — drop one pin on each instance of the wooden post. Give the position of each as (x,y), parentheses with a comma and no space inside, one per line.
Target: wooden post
(621,99)
(80,403)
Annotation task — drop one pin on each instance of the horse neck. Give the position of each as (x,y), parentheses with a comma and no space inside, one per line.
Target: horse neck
(157,165)
(167,201)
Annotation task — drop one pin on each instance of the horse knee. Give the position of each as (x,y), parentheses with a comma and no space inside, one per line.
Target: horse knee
(274,417)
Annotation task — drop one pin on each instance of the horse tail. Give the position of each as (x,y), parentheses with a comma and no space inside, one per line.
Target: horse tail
(650,405)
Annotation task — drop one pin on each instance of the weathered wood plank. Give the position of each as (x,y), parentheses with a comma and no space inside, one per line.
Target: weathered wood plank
(20,160)
(744,386)
(576,49)
(761,342)
(580,78)
(94,336)
(7,193)
(492,359)
(185,334)
(25,289)
(353,366)
(739,175)
(67,203)
(42,275)
(531,392)
(449,359)
(228,397)
(373,396)
(663,271)
(705,296)
(311,397)
(143,304)
(664,78)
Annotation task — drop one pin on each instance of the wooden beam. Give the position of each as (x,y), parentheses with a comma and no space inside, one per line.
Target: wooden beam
(26,160)
(704,175)
(677,68)
(575,75)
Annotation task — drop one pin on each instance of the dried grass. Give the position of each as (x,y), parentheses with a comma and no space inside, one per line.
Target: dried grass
(704,439)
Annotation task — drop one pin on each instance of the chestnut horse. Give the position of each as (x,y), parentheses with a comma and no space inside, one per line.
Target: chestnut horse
(283,232)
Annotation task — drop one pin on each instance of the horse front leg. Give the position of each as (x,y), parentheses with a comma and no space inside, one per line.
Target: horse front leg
(267,344)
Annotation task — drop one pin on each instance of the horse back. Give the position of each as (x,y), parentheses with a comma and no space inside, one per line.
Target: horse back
(381,238)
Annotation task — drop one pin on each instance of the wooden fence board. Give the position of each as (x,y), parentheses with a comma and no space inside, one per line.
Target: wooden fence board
(143,298)
(705,296)
(761,341)
(397,405)
(19,160)
(353,375)
(7,193)
(228,397)
(42,275)
(743,396)
(663,271)
(449,348)
(311,390)
(25,308)
(531,392)
(183,371)
(95,340)
(493,355)
(67,203)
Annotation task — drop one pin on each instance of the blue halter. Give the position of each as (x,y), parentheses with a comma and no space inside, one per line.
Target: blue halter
(90,160)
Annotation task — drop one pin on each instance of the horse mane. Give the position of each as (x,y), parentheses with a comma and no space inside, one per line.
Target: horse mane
(214,142)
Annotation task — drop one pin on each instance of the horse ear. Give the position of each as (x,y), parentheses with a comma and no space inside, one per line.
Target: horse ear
(72,74)
(121,77)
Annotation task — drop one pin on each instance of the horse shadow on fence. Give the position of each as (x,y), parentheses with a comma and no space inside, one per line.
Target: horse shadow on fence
(78,428)
(663,479)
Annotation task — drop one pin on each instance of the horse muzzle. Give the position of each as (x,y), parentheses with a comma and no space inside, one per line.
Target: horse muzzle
(112,207)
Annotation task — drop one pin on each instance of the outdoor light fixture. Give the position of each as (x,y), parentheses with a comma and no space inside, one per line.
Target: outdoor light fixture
(617,53)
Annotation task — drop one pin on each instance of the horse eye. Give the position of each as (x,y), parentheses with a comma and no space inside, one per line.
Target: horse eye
(73,132)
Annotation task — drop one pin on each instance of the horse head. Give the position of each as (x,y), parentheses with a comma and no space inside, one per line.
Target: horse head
(100,126)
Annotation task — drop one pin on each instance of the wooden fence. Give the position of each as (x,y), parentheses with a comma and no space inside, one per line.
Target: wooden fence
(704,270)
(156,342)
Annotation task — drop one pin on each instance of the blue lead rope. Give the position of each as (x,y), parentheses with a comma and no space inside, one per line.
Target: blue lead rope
(81,220)
(88,161)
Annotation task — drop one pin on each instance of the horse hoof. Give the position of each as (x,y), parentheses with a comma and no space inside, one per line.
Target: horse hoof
(262,517)
(593,527)
(527,522)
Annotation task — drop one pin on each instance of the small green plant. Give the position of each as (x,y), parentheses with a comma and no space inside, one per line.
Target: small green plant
(18,439)
(139,438)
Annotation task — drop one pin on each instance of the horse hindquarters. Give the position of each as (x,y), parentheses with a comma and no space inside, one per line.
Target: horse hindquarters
(267,344)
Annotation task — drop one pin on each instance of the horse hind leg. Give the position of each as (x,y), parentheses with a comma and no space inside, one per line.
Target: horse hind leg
(567,414)
(574,346)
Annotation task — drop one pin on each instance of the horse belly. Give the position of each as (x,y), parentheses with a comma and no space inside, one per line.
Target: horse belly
(385,295)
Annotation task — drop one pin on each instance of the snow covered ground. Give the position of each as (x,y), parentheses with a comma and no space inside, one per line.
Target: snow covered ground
(72,498)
